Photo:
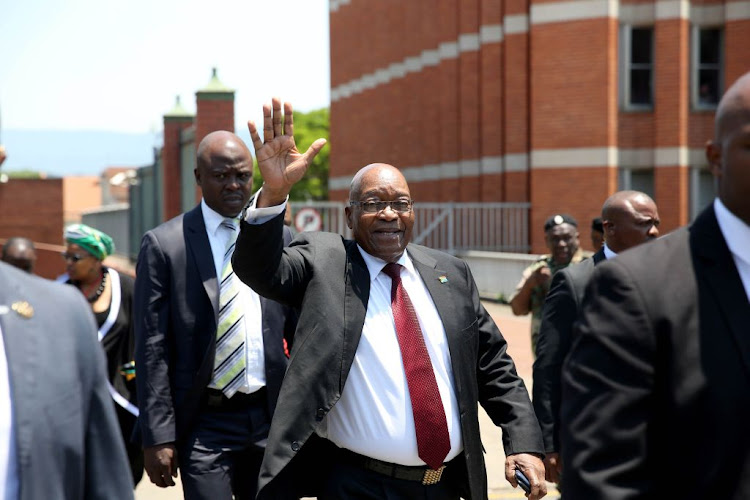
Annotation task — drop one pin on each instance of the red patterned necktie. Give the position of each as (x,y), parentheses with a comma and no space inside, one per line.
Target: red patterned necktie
(433,441)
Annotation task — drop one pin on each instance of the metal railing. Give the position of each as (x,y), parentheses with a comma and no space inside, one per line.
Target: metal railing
(451,227)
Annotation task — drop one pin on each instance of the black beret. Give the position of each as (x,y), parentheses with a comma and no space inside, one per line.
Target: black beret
(596,224)
(558,219)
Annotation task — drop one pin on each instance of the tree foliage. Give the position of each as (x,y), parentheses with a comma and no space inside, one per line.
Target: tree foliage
(307,128)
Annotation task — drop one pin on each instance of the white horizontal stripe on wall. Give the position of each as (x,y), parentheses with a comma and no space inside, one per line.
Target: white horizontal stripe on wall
(640,158)
(574,157)
(631,158)
(451,170)
(468,42)
(737,11)
(702,15)
(672,9)
(559,12)
(515,24)
(334,5)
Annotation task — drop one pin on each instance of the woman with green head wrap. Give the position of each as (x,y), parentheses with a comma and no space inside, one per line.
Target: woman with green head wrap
(111,296)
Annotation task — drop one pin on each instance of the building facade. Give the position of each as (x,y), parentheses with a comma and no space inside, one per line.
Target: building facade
(556,103)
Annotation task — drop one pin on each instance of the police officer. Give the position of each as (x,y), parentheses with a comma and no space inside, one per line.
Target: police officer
(561,237)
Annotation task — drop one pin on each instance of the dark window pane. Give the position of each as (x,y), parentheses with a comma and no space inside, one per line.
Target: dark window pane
(643,181)
(708,86)
(640,45)
(710,46)
(640,86)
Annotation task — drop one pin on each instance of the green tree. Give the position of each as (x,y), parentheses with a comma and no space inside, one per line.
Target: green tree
(307,128)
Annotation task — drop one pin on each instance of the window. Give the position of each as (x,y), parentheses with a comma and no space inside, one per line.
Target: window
(707,77)
(702,189)
(638,58)
(637,179)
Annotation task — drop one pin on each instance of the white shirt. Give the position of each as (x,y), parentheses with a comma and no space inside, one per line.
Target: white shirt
(218,236)
(737,235)
(8,453)
(608,252)
(374,417)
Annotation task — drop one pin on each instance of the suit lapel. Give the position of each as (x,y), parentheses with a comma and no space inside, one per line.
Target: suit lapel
(714,265)
(197,240)
(357,294)
(438,283)
(599,256)
(20,336)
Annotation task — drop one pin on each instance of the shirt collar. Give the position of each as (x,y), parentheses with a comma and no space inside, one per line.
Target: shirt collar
(736,232)
(608,252)
(211,218)
(375,265)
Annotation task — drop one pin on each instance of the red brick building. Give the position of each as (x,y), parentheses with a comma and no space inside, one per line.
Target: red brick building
(558,103)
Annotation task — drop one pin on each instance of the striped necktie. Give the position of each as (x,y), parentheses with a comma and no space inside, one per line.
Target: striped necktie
(229,361)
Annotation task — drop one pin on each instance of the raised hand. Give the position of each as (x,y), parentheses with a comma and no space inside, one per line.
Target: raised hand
(280,163)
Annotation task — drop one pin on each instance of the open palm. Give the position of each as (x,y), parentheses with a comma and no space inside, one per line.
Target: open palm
(280,162)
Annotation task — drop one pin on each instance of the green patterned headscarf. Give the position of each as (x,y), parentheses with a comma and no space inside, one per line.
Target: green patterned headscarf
(95,242)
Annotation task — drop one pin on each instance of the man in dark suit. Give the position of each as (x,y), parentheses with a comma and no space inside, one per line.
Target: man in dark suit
(209,351)
(629,218)
(59,437)
(356,417)
(656,389)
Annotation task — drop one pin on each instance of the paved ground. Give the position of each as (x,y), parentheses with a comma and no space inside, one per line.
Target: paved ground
(516,332)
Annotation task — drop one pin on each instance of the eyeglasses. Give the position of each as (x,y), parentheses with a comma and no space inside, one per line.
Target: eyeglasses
(72,256)
(375,207)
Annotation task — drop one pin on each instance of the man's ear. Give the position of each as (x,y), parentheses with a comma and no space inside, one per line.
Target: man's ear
(713,155)
(348,212)
(197,175)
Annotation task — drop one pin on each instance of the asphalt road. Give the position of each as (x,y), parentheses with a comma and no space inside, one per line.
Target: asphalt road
(516,332)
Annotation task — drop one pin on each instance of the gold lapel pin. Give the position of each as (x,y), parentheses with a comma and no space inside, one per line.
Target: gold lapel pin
(443,279)
(23,309)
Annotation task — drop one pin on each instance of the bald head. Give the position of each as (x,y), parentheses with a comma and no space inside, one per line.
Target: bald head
(224,171)
(218,143)
(727,153)
(733,108)
(629,218)
(20,252)
(388,173)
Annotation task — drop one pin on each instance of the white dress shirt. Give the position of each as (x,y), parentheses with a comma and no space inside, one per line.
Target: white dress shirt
(608,252)
(218,236)
(737,235)
(374,417)
(8,453)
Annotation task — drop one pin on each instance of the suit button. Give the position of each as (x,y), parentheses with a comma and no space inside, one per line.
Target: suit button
(320,414)
(295,446)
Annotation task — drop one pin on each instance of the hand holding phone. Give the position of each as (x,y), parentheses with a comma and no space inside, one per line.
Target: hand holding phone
(523,481)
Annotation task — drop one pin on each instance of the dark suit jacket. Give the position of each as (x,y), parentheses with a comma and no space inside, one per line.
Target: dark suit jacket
(560,311)
(68,442)
(326,276)
(175,310)
(656,388)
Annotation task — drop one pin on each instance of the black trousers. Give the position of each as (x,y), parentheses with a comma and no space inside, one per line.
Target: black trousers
(348,479)
(221,458)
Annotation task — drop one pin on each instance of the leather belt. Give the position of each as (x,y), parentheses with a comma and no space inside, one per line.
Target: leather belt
(217,399)
(421,473)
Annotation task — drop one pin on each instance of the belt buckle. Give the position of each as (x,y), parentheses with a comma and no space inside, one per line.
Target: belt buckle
(432,476)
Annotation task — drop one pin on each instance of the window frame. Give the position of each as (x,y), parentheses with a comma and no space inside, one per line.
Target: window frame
(696,66)
(626,67)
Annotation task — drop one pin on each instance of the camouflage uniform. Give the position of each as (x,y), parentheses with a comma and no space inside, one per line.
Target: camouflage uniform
(539,292)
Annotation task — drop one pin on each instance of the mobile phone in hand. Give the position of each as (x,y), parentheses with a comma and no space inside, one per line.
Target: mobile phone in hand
(523,481)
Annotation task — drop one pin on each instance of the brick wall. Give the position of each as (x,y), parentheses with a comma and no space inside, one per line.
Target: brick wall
(518,100)
(33,208)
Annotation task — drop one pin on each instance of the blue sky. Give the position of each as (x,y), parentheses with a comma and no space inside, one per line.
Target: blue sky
(109,65)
